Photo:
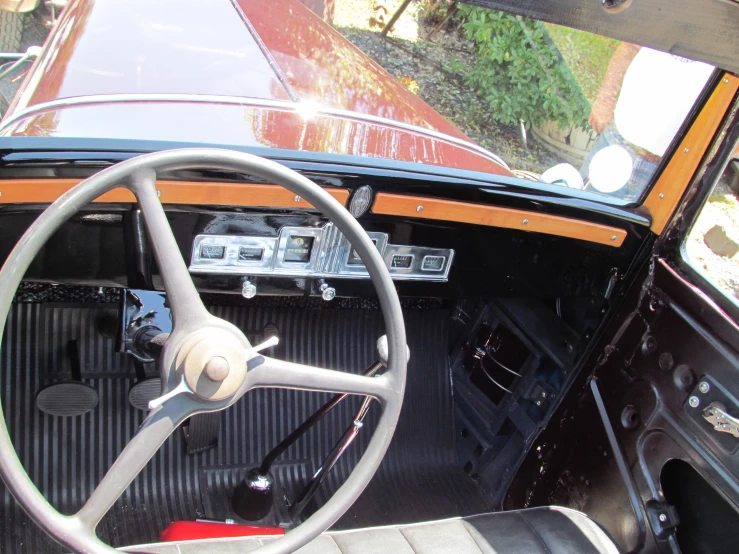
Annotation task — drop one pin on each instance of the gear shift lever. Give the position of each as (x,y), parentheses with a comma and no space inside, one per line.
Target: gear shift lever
(253,497)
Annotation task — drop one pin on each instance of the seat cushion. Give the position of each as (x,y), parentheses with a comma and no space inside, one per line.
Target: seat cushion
(547,530)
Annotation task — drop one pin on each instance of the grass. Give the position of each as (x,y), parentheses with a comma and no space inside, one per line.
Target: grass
(586,54)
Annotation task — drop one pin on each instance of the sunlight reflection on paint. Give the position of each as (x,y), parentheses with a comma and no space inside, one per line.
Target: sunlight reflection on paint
(307,109)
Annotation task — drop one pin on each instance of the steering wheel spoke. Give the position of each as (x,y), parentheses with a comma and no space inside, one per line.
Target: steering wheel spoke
(155,430)
(270,372)
(187,309)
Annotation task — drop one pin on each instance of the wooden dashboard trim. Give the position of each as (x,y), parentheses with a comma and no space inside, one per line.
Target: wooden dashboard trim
(496,216)
(44,191)
(670,187)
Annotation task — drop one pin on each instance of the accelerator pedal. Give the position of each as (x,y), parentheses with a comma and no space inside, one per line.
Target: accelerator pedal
(143,392)
(202,432)
(68,398)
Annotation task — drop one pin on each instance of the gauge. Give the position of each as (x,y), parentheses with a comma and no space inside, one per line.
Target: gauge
(298,249)
(401,261)
(433,263)
(212,251)
(251,253)
(354,258)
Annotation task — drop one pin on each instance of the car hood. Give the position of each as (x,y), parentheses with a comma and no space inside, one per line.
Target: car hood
(272,55)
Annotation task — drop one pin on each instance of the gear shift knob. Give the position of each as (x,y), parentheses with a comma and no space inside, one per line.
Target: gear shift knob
(382,350)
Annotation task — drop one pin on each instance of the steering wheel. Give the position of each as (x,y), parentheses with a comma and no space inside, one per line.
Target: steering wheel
(207,357)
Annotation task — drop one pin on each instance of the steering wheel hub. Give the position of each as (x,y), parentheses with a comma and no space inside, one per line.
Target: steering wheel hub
(217,368)
(214,365)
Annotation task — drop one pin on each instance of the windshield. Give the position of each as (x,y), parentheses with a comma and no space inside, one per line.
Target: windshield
(558,104)
(441,84)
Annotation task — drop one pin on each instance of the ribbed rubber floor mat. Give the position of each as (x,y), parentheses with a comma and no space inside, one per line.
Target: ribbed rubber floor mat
(419,479)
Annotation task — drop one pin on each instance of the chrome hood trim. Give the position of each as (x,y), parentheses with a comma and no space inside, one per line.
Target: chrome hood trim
(316,109)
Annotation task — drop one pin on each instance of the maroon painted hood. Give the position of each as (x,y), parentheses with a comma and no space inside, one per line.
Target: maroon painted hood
(254,73)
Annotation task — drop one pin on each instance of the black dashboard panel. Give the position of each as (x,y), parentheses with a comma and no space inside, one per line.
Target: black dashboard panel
(106,244)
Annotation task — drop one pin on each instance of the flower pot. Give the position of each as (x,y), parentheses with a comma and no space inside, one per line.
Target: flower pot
(572,144)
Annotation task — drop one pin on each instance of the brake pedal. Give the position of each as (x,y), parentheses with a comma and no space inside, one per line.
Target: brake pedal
(143,392)
(68,398)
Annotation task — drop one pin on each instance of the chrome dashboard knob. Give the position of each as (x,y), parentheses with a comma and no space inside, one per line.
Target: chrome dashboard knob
(327,292)
(249,289)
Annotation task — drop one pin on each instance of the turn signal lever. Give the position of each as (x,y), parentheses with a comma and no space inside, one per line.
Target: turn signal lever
(253,498)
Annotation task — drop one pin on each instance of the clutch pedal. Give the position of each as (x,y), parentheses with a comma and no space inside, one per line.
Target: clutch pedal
(71,397)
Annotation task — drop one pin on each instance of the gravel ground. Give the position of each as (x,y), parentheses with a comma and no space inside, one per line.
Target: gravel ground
(34,34)
(434,70)
(722,209)
(358,13)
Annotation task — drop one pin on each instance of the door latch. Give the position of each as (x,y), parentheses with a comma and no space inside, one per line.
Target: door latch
(716,415)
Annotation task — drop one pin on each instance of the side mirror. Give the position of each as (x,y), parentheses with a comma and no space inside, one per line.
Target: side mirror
(610,169)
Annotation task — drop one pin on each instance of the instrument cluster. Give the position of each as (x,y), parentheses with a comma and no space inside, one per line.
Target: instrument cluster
(313,252)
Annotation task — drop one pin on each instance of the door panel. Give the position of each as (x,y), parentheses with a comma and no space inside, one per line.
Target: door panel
(666,367)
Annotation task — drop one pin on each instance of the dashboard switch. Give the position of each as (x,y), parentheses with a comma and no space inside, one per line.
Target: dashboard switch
(327,291)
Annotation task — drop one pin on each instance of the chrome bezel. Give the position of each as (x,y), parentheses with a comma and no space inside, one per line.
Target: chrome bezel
(329,256)
(281,266)
(406,253)
(360,269)
(230,263)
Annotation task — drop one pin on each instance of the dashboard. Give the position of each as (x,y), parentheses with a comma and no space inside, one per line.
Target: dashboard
(313,252)
(436,240)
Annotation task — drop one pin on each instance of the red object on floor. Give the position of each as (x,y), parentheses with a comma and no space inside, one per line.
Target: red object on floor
(193,530)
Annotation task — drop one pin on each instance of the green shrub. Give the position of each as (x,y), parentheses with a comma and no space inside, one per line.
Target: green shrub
(519,71)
